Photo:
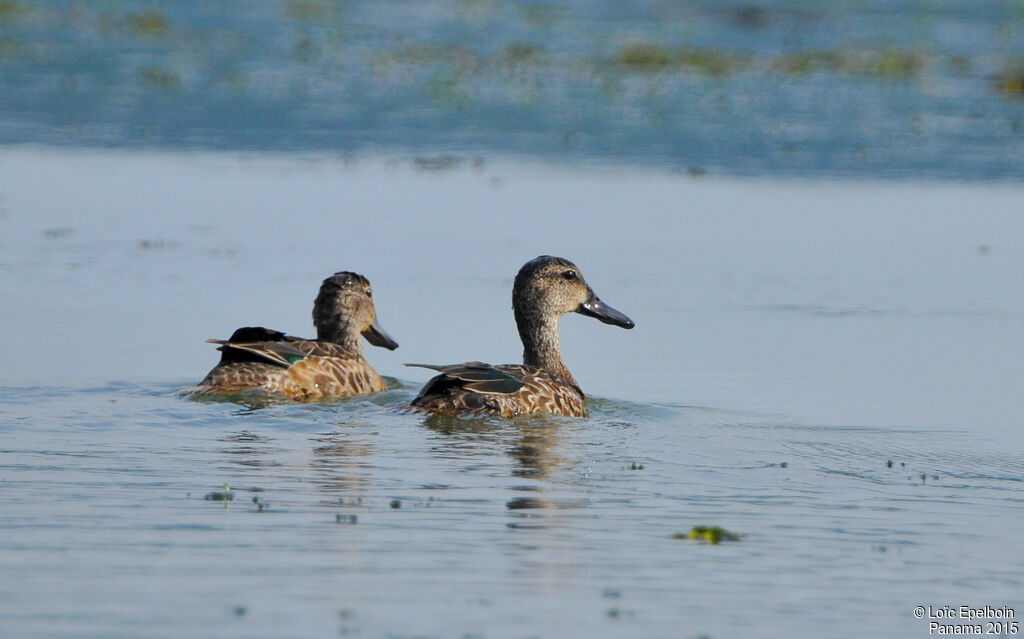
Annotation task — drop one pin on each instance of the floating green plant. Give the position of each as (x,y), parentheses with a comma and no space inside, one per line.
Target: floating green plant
(709,535)
(804,62)
(11,9)
(226,495)
(645,56)
(151,24)
(1011,82)
(523,53)
(886,63)
(651,57)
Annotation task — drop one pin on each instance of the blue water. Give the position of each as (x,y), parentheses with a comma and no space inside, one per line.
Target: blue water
(831,370)
(854,89)
(380,523)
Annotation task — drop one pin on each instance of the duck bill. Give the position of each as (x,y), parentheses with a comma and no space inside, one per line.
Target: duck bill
(594,307)
(379,337)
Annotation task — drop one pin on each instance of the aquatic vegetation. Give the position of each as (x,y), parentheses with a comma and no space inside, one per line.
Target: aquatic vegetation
(1011,82)
(626,70)
(420,53)
(439,163)
(804,62)
(523,53)
(884,63)
(645,56)
(11,9)
(226,495)
(650,57)
(889,63)
(709,534)
(152,23)
(312,10)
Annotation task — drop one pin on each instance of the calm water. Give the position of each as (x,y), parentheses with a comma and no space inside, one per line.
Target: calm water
(867,88)
(791,340)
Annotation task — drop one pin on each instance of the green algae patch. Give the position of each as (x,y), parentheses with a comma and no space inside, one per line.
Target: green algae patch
(12,9)
(150,24)
(885,63)
(651,57)
(875,63)
(709,535)
(1011,82)
(645,56)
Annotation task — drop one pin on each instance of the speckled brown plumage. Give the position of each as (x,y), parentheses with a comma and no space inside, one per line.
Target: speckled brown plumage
(545,289)
(476,388)
(260,359)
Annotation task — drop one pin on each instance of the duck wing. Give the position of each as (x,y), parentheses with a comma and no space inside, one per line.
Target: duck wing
(259,344)
(475,376)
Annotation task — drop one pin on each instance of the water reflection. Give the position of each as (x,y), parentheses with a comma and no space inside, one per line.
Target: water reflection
(532,442)
(249,449)
(342,463)
(536,451)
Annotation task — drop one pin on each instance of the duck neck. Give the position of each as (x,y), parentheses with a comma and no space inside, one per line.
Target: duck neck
(541,348)
(341,334)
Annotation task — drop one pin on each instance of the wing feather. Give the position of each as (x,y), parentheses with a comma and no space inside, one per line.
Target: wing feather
(475,376)
(258,344)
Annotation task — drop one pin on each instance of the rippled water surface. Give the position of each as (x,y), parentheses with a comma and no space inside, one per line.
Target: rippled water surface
(830,370)
(868,88)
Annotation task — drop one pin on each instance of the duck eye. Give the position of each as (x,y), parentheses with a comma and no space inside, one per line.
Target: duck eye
(569,275)
(369,293)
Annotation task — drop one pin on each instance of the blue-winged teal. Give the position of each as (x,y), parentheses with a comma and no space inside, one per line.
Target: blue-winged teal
(332,365)
(545,289)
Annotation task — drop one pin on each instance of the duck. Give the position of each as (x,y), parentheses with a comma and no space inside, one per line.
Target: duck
(545,288)
(264,360)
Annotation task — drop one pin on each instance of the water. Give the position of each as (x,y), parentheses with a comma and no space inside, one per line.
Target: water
(524,528)
(864,89)
(792,339)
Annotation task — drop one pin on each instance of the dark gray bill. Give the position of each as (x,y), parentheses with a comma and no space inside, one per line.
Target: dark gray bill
(594,307)
(379,337)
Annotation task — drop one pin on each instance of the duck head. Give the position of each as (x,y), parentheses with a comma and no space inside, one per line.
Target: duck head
(548,287)
(344,309)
